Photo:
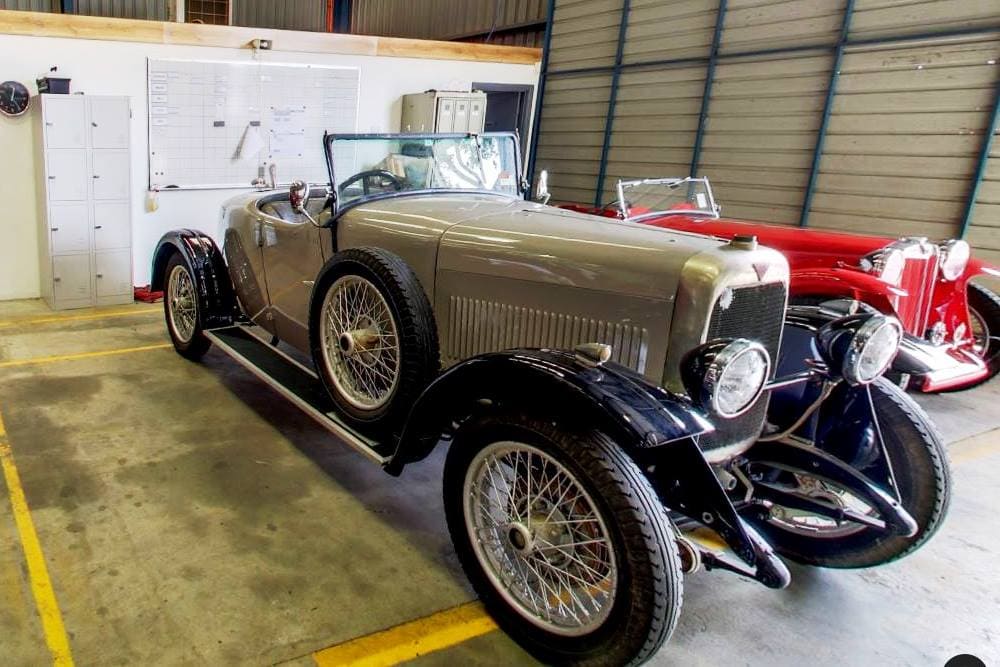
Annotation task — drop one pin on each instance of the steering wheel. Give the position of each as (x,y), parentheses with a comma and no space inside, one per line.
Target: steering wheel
(368,179)
(615,207)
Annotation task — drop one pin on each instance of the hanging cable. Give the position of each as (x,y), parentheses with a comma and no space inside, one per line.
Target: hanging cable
(496,19)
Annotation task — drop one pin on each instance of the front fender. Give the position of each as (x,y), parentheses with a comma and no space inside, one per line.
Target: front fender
(977,267)
(839,282)
(217,304)
(628,408)
(656,428)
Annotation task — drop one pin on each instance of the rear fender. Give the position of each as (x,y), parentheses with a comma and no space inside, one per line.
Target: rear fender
(636,414)
(216,302)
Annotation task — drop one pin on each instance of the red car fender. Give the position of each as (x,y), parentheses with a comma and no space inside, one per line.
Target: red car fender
(976,267)
(840,282)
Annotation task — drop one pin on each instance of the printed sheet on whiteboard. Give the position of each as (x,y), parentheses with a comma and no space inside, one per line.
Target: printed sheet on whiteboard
(216,124)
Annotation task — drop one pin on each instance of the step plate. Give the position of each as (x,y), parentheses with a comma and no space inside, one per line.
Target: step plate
(295,382)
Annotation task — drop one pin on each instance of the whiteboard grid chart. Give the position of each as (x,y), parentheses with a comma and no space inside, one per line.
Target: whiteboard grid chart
(215,124)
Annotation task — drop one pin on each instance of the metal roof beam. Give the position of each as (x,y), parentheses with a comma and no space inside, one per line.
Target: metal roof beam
(706,96)
(831,93)
(609,122)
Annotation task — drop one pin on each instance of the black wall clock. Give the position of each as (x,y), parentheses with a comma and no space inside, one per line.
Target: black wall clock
(14,98)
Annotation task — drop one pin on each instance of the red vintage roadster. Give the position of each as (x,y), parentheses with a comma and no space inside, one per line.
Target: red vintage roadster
(952,325)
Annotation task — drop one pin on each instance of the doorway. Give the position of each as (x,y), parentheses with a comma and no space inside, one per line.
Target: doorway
(508,109)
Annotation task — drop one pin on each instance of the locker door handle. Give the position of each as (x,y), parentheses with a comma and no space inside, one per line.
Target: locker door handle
(52,178)
(93,123)
(55,229)
(100,275)
(96,176)
(48,123)
(56,279)
(98,226)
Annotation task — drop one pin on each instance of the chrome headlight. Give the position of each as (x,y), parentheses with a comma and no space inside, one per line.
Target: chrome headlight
(861,346)
(890,265)
(954,257)
(726,377)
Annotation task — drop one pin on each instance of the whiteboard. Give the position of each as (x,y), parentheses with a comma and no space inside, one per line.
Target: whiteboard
(216,124)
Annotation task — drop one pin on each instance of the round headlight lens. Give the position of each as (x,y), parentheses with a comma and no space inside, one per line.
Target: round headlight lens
(736,377)
(954,257)
(872,350)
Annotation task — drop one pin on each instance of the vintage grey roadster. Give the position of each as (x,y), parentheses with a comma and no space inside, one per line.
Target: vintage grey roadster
(623,404)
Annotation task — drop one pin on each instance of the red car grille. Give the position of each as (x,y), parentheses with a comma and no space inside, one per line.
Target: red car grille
(918,279)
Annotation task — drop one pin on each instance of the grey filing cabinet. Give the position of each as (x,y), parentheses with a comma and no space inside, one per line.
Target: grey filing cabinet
(85,190)
(444,111)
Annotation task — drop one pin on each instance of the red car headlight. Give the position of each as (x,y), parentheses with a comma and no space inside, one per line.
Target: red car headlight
(954,258)
(889,265)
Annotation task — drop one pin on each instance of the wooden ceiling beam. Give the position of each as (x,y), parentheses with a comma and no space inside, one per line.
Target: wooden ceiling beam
(44,24)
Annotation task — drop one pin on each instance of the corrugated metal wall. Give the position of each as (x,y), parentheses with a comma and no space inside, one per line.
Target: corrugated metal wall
(288,15)
(512,22)
(31,5)
(904,133)
(155,10)
(984,232)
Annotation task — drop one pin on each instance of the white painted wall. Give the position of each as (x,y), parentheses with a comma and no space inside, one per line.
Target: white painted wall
(119,68)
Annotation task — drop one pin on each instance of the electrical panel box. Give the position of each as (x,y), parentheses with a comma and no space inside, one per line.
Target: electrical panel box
(444,111)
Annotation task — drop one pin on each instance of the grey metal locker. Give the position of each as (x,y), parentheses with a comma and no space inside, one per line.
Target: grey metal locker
(84,168)
(444,111)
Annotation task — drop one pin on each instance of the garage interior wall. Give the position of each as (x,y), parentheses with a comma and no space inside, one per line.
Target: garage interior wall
(108,67)
(858,115)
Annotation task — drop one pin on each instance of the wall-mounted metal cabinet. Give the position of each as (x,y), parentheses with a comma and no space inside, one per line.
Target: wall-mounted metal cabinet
(444,111)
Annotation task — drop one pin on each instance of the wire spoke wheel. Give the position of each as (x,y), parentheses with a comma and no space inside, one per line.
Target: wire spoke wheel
(360,343)
(540,539)
(807,524)
(183,304)
(980,331)
(910,464)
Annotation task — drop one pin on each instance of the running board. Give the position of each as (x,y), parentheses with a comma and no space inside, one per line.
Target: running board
(296,382)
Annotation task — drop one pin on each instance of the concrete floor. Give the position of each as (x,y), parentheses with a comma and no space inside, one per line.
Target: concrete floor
(189,515)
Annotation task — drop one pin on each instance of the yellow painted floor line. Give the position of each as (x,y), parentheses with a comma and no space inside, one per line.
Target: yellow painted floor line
(410,640)
(82,355)
(976,447)
(38,573)
(84,316)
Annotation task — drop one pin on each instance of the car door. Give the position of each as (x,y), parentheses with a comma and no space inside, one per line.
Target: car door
(293,254)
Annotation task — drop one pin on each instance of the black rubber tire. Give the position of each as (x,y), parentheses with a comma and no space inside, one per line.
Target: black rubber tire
(987,305)
(648,600)
(416,329)
(920,464)
(195,348)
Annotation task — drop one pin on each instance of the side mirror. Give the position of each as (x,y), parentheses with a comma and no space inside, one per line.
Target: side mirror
(542,195)
(298,196)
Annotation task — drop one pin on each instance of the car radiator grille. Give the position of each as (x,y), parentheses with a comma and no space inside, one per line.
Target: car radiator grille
(918,280)
(756,313)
